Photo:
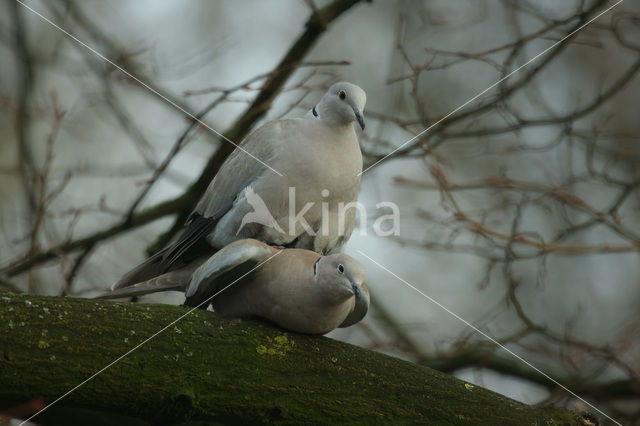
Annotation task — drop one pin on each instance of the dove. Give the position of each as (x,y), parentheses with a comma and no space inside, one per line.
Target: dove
(309,200)
(297,289)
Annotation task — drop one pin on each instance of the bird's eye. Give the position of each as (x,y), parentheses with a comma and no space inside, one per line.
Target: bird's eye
(341,268)
(342,94)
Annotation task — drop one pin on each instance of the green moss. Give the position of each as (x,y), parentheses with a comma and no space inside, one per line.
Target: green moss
(279,345)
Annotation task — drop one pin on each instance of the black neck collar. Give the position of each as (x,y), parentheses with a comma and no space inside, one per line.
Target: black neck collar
(315,113)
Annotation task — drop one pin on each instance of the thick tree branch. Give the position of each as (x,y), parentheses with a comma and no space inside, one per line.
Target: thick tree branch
(205,368)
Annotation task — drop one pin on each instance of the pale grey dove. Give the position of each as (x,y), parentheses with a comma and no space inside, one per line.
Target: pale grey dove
(319,158)
(297,289)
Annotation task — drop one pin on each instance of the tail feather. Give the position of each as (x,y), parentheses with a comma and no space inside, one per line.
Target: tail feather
(190,246)
(150,268)
(175,280)
(138,290)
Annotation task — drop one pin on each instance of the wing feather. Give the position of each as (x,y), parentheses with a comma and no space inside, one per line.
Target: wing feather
(239,255)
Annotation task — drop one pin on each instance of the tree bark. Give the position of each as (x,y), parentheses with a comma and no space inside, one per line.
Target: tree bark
(203,368)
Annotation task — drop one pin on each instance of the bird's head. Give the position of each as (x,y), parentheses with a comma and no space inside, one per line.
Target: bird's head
(341,277)
(342,104)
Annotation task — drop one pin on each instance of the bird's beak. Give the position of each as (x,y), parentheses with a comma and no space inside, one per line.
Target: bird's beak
(361,306)
(359,118)
(356,289)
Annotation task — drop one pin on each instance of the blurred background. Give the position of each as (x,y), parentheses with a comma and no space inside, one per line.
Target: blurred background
(520,210)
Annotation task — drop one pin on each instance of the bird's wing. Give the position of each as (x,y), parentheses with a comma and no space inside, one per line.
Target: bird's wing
(240,256)
(239,171)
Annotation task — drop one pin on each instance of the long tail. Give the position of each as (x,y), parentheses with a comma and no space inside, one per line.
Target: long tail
(150,268)
(190,245)
(175,280)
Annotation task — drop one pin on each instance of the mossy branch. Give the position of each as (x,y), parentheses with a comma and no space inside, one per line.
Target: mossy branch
(204,368)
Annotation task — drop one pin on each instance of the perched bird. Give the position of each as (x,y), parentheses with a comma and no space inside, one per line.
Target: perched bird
(299,290)
(319,159)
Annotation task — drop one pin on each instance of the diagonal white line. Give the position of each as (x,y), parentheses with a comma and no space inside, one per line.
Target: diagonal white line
(94,375)
(485,335)
(492,86)
(146,86)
